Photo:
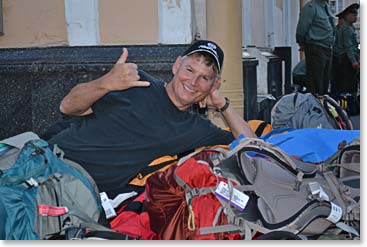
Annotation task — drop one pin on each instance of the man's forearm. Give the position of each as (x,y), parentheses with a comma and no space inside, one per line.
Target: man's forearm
(237,125)
(82,97)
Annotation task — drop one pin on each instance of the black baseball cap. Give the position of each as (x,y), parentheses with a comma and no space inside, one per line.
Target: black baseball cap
(353,8)
(209,47)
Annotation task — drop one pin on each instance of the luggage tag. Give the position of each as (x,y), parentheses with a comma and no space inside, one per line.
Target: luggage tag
(239,200)
(107,205)
(336,213)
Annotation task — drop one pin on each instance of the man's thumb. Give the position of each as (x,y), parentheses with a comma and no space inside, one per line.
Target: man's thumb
(123,57)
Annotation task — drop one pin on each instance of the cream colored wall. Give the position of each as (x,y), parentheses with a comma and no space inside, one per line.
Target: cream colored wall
(224,26)
(128,22)
(29,23)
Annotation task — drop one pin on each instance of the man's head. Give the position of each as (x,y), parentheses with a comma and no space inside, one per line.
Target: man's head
(350,13)
(209,49)
(196,74)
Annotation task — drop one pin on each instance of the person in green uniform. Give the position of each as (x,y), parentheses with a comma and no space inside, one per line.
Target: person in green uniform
(335,70)
(347,61)
(315,36)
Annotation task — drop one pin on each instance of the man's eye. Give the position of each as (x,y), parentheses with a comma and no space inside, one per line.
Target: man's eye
(188,69)
(204,79)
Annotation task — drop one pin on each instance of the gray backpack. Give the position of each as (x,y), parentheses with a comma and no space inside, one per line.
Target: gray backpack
(291,195)
(297,110)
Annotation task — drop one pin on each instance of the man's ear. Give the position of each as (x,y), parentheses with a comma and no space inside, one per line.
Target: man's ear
(216,84)
(176,65)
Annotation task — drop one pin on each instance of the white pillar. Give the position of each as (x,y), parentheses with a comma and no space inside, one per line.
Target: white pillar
(271,39)
(287,19)
(175,20)
(200,19)
(246,23)
(82,22)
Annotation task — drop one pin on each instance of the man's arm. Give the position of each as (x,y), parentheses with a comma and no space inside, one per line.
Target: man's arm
(347,34)
(123,75)
(304,23)
(236,123)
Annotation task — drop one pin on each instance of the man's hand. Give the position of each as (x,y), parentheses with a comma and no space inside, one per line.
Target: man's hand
(123,75)
(80,99)
(235,122)
(215,99)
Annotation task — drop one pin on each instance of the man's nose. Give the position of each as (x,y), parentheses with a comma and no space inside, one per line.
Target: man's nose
(194,80)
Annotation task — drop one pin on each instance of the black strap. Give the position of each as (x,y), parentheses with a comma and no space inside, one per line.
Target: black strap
(260,128)
(110,235)
(295,99)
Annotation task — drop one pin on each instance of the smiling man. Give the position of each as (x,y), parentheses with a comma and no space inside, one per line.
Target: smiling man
(130,119)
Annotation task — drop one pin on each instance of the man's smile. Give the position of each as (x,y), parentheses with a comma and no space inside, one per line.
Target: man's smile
(188,88)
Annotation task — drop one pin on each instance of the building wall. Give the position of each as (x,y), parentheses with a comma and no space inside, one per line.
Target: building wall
(128,22)
(33,23)
(226,30)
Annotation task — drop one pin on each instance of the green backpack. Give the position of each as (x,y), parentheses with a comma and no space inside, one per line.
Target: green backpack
(44,196)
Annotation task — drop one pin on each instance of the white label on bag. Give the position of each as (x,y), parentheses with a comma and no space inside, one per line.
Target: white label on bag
(107,205)
(238,199)
(335,213)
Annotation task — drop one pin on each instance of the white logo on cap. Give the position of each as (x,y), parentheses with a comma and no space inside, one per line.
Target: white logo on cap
(210,46)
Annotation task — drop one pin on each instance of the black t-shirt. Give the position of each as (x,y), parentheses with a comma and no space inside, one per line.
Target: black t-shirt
(130,128)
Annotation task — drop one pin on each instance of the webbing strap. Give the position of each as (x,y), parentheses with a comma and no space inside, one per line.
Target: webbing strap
(222,151)
(245,187)
(233,220)
(217,214)
(355,167)
(217,229)
(333,185)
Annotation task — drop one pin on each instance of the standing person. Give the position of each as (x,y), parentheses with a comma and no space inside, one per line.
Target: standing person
(335,70)
(347,58)
(130,119)
(315,36)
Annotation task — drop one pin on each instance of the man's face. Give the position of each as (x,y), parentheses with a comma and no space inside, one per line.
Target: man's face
(351,17)
(193,80)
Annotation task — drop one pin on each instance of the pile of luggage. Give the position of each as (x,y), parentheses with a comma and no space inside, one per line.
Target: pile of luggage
(253,189)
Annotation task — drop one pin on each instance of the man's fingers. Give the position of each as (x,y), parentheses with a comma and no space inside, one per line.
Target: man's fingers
(133,66)
(140,84)
(203,103)
(123,57)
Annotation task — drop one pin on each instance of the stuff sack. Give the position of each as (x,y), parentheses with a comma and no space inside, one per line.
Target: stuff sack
(297,110)
(44,196)
(182,204)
